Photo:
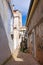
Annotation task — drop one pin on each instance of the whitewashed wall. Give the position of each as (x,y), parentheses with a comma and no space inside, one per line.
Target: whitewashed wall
(6,43)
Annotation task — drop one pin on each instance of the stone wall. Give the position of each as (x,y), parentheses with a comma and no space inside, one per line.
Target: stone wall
(36,23)
(39,43)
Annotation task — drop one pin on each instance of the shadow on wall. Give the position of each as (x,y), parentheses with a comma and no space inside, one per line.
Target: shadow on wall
(4,47)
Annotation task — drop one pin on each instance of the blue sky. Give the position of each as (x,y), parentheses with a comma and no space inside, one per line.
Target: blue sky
(23,6)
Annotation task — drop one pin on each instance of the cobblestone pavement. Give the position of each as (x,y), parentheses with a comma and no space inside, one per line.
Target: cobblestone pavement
(22,59)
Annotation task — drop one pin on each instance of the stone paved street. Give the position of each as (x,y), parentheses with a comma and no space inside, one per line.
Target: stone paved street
(22,59)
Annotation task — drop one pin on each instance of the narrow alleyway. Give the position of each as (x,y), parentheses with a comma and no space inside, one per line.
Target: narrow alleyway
(22,59)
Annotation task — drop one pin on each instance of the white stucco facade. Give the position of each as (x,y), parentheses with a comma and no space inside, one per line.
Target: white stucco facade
(6,44)
(16,27)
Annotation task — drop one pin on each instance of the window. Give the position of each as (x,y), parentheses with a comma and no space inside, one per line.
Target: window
(12,36)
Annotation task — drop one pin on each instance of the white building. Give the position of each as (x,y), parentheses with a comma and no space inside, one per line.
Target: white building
(22,32)
(6,44)
(16,27)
